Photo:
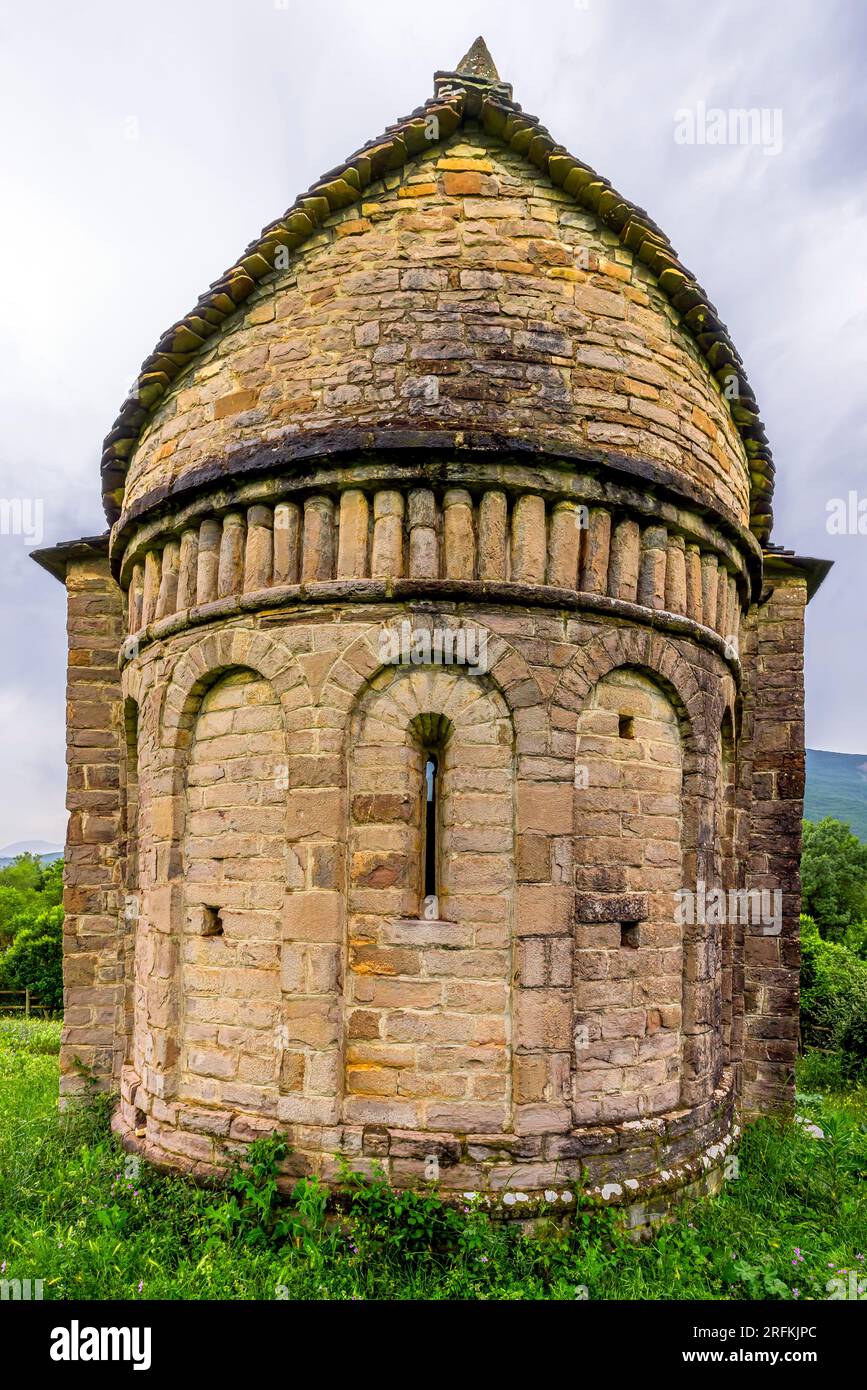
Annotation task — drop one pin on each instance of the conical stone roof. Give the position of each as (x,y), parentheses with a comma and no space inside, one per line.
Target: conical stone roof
(473,92)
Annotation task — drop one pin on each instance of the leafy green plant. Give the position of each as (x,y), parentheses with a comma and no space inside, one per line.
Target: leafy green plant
(407,1222)
(34,961)
(33,1035)
(251,1212)
(27,888)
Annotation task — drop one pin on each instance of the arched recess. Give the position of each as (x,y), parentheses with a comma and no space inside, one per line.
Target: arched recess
(233,860)
(655,658)
(202,663)
(631,836)
(170,711)
(427,999)
(131,895)
(732,945)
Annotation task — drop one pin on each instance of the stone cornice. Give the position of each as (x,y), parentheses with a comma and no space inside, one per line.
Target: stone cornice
(438,455)
(271,604)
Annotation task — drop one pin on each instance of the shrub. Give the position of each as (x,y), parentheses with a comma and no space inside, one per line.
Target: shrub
(34,961)
(833,999)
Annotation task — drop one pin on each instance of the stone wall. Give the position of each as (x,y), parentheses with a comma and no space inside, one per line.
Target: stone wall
(399,1037)
(96,927)
(428,998)
(775,762)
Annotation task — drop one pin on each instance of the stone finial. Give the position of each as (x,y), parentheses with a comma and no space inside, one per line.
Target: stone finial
(478,63)
(476,71)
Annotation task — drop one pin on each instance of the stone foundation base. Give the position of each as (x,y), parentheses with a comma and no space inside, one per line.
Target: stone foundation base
(642,1169)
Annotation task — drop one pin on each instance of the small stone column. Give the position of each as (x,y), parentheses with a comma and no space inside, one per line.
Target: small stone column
(352,536)
(733,614)
(675,575)
(722,600)
(459,540)
(564,547)
(187,565)
(708,588)
(651,575)
(317,555)
(624,561)
(259,553)
(230,574)
(152,569)
(693,583)
(597,548)
(493,536)
(208,562)
(423,557)
(168,594)
(287,534)
(529,540)
(387,561)
(136,596)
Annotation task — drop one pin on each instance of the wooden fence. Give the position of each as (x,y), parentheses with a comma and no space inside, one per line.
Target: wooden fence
(22,1001)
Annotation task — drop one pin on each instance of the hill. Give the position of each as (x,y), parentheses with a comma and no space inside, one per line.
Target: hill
(41,848)
(837,786)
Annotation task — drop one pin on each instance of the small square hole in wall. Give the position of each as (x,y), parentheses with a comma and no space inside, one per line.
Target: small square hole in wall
(629,935)
(626,725)
(212,922)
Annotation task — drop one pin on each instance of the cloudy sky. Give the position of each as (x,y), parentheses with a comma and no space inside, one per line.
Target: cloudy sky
(144,146)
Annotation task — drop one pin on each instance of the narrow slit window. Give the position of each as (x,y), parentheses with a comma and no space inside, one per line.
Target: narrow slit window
(630,935)
(431,777)
(212,922)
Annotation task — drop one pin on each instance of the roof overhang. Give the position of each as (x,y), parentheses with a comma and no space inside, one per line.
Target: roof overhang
(779,563)
(56,558)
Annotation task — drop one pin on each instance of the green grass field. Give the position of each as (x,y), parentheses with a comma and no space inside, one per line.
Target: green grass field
(793,1219)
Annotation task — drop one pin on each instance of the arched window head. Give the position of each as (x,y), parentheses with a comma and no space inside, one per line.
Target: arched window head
(431,732)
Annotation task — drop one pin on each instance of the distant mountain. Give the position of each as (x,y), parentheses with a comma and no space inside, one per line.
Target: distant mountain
(43,848)
(837,786)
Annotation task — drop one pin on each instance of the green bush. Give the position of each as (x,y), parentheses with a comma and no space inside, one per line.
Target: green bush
(34,961)
(833,876)
(855,939)
(833,999)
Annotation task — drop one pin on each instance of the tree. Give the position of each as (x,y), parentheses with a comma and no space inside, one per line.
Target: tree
(24,873)
(51,882)
(833,876)
(27,887)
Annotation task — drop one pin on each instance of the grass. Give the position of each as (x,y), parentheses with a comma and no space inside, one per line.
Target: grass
(74,1214)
